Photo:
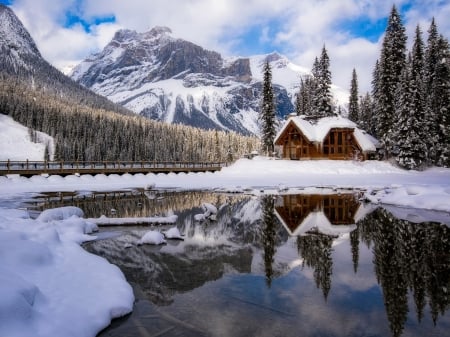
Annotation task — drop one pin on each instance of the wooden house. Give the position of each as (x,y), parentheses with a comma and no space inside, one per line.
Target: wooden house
(325,138)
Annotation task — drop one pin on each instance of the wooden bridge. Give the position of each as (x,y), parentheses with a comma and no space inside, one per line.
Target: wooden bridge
(64,168)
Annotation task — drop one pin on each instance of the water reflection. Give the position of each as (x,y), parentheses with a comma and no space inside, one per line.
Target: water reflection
(330,265)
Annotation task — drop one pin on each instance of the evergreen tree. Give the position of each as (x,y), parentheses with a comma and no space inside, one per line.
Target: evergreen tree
(441,93)
(431,60)
(409,136)
(324,98)
(437,93)
(353,105)
(388,73)
(366,114)
(267,117)
(303,104)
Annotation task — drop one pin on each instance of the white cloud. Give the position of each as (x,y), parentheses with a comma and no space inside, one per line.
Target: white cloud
(303,27)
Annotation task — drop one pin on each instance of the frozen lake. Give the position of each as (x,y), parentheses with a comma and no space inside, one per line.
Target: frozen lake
(319,264)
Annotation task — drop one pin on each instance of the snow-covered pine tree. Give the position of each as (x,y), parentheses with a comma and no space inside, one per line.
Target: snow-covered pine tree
(432,111)
(353,103)
(409,133)
(388,73)
(267,116)
(366,114)
(441,91)
(437,92)
(303,105)
(324,97)
(314,89)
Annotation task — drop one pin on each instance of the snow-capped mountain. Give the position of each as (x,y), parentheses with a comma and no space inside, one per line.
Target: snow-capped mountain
(173,80)
(15,41)
(21,61)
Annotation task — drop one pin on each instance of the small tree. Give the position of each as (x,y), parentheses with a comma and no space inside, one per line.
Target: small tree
(267,116)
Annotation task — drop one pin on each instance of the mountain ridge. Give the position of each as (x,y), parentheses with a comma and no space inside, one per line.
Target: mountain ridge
(169,79)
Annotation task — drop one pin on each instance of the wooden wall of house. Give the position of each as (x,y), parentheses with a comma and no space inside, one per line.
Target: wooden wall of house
(295,145)
(339,144)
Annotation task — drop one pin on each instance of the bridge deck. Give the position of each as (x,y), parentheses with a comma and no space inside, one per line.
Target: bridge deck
(31,168)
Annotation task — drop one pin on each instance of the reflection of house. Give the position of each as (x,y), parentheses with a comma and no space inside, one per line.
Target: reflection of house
(329,137)
(327,213)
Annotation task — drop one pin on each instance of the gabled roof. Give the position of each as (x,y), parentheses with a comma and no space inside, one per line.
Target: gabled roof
(316,132)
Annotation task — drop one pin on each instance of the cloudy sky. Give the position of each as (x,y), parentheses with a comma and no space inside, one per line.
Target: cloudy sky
(67,31)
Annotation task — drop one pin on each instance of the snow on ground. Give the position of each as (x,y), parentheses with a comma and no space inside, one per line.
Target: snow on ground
(15,143)
(385,183)
(49,285)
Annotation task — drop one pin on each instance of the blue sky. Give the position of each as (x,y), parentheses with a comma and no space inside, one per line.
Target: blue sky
(67,31)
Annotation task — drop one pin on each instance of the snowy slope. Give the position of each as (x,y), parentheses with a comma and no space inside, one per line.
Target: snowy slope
(172,80)
(15,142)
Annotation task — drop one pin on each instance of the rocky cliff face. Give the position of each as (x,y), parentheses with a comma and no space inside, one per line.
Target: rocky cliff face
(173,80)
(21,61)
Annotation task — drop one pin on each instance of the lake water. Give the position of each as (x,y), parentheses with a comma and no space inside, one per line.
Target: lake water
(292,265)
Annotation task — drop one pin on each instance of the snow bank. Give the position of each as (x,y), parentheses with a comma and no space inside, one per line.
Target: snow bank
(262,173)
(152,237)
(105,221)
(60,213)
(173,233)
(49,285)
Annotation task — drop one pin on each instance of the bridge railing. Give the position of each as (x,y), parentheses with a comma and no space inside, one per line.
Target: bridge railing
(44,166)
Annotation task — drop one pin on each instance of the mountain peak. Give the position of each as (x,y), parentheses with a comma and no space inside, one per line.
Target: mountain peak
(158,31)
(13,35)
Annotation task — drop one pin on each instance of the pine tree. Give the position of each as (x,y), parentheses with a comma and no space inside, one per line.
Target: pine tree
(324,98)
(431,60)
(388,73)
(409,138)
(267,117)
(353,105)
(303,104)
(441,92)
(366,120)
(437,92)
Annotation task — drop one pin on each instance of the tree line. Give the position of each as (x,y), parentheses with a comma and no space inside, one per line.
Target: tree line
(408,109)
(85,133)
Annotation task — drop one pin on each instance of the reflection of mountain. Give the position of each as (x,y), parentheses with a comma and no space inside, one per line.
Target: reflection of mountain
(325,213)
(163,274)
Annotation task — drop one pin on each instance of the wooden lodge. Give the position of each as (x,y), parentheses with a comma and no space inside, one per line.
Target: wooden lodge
(325,138)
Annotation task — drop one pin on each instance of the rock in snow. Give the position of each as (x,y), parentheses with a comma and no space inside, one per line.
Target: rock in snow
(173,233)
(152,237)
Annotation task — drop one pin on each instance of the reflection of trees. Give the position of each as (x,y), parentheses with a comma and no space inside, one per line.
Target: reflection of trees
(316,251)
(131,203)
(269,233)
(409,257)
(354,242)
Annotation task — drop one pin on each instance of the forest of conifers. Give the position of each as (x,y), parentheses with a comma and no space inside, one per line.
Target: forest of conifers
(84,133)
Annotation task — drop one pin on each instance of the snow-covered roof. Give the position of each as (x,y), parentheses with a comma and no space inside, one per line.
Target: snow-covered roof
(316,132)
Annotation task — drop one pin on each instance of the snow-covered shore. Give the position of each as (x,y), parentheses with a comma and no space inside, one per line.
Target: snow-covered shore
(429,189)
(51,287)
